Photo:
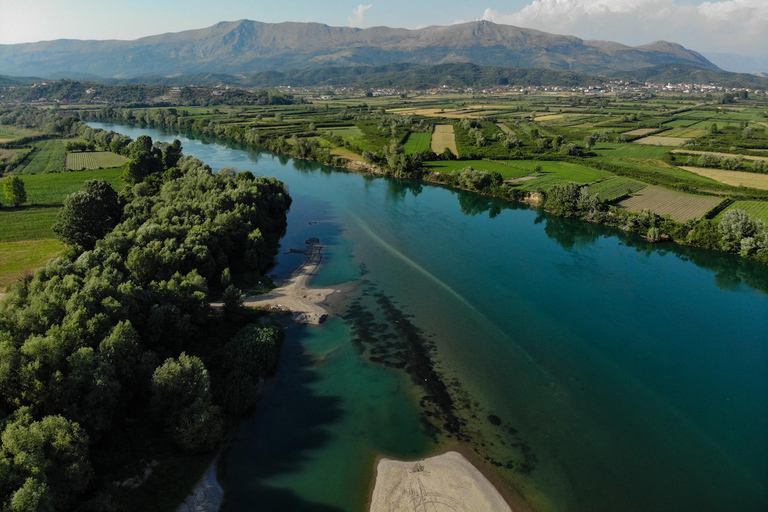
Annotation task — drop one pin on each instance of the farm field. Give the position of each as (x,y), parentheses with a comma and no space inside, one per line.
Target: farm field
(46,156)
(506,129)
(640,131)
(756,209)
(551,173)
(661,141)
(9,133)
(417,142)
(53,188)
(94,160)
(690,152)
(347,132)
(637,151)
(443,138)
(676,205)
(27,223)
(17,259)
(735,178)
(616,187)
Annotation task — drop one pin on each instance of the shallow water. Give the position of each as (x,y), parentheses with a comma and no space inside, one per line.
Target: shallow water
(593,370)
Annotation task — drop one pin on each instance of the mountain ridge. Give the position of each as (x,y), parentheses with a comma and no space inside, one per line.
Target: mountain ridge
(247,46)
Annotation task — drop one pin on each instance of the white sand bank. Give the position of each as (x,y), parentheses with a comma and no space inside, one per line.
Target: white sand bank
(448,482)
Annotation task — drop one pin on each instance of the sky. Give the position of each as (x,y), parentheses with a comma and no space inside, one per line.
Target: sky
(724,26)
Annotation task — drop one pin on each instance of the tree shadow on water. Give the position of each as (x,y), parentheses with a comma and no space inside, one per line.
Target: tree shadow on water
(290,422)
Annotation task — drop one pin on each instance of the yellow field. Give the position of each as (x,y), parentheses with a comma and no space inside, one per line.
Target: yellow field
(443,137)
(676,205)
(506,129)
(661,141)
(345,153)
(735,178)
(641,131)
(473,112)
(549,117)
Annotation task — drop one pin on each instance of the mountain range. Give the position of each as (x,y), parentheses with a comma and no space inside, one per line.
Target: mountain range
(246,47)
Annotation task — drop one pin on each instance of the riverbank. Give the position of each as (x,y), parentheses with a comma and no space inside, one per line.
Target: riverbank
(308,305)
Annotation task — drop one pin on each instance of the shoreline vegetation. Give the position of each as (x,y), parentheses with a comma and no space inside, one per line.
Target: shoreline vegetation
(744,235)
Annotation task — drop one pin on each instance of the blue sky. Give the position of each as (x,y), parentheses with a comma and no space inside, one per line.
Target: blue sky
(737,26)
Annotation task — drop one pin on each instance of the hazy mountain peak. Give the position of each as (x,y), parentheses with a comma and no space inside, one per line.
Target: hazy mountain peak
(246,46)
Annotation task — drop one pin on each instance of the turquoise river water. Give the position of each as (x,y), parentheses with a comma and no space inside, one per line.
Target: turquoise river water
(587,369)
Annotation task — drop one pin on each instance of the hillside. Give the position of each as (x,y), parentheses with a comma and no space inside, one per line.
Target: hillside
(247,47)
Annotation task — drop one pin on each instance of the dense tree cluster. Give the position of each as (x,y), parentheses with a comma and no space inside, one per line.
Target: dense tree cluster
(116,324)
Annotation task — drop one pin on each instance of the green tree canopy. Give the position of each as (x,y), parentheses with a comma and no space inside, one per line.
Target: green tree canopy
(88,215)
(14,190)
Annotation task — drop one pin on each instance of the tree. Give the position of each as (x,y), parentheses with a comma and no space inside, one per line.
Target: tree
(181,396)
(88,215)
(46,461)
(14,190)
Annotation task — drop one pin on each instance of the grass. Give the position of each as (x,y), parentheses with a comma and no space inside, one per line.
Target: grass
(616,187)
(630,151)
(552,173)
(47,156)
(17,259)
(676,205)
(417,142)
(8,133)
(347,132)
(25,223)
(27,240)
(94,160)
(52,189)
(756,209)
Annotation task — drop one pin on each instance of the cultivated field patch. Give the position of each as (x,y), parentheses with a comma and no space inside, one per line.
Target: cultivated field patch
(18,259)
(94,160)
(616,187)
(443,138)
(745,157)
(735,178)
(676,205)
(506,129)
(655,140)
(756,209)
(640,131)
(417,142)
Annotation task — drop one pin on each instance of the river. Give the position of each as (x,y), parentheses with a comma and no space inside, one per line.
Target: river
(589,369)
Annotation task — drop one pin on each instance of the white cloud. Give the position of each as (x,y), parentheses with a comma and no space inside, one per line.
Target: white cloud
(737,26)
(358,15)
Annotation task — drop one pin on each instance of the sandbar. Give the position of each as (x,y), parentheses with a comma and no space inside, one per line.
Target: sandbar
(447,482)
(293,293)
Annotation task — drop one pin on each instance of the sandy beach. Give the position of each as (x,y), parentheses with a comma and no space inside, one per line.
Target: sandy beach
(447,482)
(293,293)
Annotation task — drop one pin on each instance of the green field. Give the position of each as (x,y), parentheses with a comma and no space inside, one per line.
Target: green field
(51,189)
(638,151)
(347,132)
(46,156)
(27,239)
(17,259)
(616,187)
(417,142)
(8,133)
(756,209)
(25,223)
(552,173)
(94,160)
